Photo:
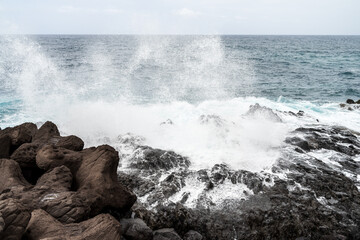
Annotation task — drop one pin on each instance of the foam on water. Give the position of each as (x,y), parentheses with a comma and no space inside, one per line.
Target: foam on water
(107,105)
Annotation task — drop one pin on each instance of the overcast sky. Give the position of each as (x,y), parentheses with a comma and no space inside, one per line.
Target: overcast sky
(180,16)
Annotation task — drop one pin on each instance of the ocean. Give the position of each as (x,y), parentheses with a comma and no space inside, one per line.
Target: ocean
(188,94)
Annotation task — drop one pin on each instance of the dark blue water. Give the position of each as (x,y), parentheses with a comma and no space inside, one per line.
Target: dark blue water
(163,69)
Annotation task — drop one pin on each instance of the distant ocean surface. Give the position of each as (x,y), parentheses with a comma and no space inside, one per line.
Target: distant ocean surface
(101,87)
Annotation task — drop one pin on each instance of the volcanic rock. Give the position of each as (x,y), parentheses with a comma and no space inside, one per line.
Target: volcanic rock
(44,226)
(135,229)
(14,218)
(166,234)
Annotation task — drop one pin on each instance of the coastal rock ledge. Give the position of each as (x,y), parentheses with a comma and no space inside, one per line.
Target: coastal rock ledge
(53,188)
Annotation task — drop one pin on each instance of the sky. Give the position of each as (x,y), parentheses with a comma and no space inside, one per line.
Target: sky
(289,17)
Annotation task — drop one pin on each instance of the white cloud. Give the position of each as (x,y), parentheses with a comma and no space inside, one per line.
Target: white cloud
(185,12)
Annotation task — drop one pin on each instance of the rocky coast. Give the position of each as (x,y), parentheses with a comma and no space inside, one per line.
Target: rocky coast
(51,187)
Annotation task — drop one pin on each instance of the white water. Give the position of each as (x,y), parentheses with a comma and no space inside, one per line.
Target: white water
(243,142)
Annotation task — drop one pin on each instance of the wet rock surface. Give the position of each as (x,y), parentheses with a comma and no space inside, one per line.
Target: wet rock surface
(78,193)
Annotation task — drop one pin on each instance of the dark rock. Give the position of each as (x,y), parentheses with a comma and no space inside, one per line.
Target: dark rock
(166,234)
(14,218)
(350,101)
(51,156)
(193,235)
(263,112)
(135,229)
(157,159)
(44,226)
(71,142)
(358,101)
(5,146)
(19,134)
(97,177)
(11,176)
(46,131)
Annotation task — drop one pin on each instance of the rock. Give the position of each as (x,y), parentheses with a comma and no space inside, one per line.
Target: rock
(11,176)
(193,235)
(14,219)
(156,159)
(5,146)
(51,156)
(358,101)
(97,178)
(43,226)
(350,101)
(261,112)
(337,139)
(46,131)
(95,181)
(166,234)
(19,134)
(71,142)
(135,229)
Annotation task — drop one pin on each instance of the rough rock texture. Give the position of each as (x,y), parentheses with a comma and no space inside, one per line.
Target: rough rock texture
(135,229)
(14,218)
(193,235)
(44,226)
(68,183)
(157,159)
(18,135)
(166,234)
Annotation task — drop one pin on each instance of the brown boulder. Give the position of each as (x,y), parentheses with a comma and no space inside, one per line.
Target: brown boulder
(20,134)
(42,226)
(95,173)
(69,142)
(11,175)
(97,176)
(15,218)
(51,193)
(50,156)
(46,131)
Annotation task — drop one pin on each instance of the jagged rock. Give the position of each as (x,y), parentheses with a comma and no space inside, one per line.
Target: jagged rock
(331,139)
(166,234)
(14,218)
(261,112)
(44,226)
(156,159)
(193,235)
(135,229)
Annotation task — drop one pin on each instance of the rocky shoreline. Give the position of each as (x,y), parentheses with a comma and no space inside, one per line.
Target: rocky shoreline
(53,188)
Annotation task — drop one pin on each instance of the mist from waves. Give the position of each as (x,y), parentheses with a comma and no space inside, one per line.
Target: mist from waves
(99,99)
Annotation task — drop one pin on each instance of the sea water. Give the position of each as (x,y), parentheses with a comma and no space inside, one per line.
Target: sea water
(159,90)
